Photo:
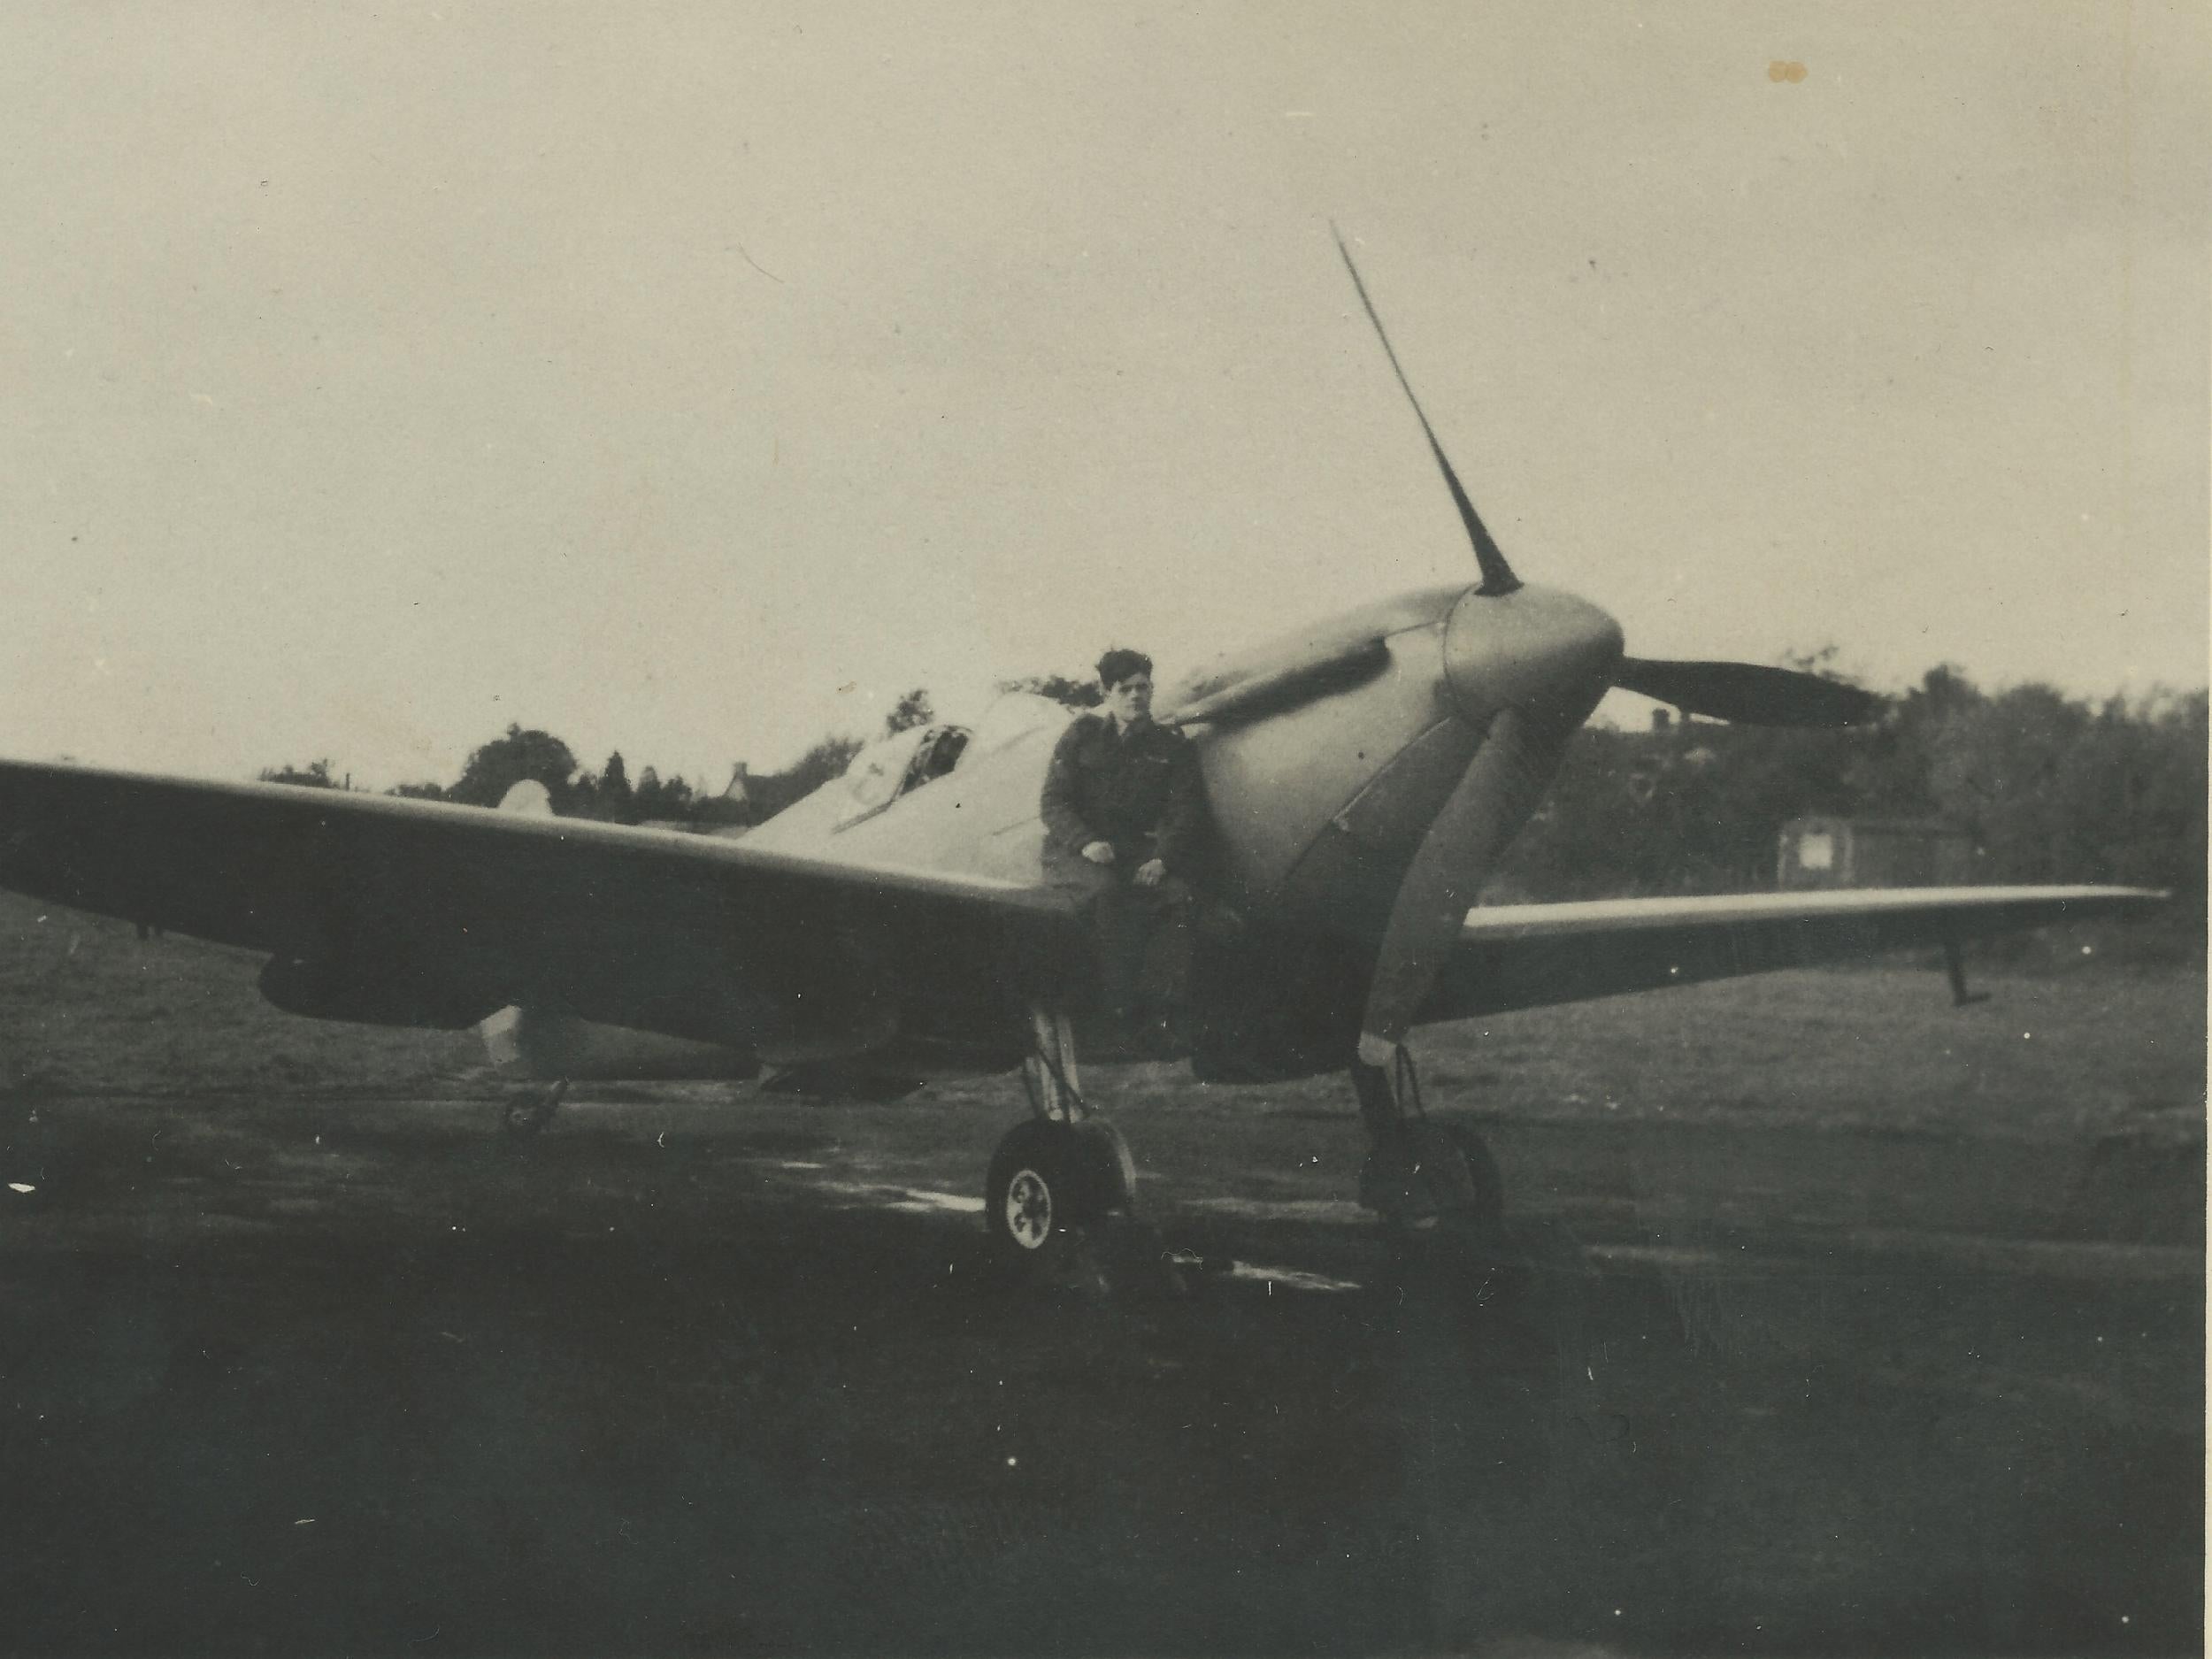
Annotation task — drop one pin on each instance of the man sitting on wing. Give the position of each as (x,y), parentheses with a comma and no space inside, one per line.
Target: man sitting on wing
(1125,822)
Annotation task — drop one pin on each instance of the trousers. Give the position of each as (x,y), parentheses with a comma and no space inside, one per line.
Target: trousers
(1144,946)
(1145,935)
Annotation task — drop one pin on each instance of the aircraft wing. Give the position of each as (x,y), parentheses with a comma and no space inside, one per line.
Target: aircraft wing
(1526,956)
(417,913)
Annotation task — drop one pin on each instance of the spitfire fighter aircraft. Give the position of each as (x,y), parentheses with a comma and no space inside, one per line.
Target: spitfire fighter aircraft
(1364,777)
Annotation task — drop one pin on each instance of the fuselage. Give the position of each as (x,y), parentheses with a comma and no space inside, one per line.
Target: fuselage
(1318,805)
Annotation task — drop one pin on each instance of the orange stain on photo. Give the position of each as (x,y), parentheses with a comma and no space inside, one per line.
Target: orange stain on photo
(1780,71)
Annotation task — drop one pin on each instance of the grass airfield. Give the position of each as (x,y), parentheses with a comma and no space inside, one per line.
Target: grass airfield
(1837,1317)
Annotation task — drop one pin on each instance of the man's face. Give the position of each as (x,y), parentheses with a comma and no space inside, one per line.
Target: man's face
(1130,699)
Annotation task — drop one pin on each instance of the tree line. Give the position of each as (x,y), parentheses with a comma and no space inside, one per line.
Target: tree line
(610,795)
(2046,787)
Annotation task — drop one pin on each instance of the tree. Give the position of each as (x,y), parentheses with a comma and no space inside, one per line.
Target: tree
(606,796)
(1076,694)
(774,791)
(1997,768)
(911,710)
(506,761)
(315,775)
(1891,774)
(614,782)
(2166,795)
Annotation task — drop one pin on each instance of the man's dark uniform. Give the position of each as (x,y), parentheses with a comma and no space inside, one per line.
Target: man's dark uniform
(1138,789)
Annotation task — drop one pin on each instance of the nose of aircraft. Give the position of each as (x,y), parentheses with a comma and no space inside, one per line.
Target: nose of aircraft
(1525,668)
(1547,655)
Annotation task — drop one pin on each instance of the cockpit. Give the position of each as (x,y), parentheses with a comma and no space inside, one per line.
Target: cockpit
(880,773)
(902,763)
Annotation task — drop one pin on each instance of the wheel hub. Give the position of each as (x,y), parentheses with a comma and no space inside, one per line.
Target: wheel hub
(1029,1209)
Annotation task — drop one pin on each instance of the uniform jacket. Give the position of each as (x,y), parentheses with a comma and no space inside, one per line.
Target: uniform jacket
(1138,791)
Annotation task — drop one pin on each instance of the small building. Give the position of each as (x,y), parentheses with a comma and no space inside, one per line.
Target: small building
(732,808)
(1861,852)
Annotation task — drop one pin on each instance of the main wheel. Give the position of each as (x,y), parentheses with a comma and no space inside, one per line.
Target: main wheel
(1048,1178)
(1431,1172)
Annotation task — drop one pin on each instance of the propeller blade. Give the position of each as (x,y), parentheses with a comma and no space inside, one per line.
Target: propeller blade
(1497,575)
(1501,786)
(1748,693)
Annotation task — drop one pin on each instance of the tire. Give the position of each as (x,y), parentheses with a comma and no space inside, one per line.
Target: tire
(1459,1189)
(1465,1243)
(1047,1180)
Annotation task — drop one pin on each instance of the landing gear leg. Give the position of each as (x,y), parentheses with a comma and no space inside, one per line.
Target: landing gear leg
(1063,1168)
(528,1112)
(1421,1173)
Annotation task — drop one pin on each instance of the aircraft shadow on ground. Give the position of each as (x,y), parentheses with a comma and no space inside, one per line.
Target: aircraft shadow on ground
(603,1395)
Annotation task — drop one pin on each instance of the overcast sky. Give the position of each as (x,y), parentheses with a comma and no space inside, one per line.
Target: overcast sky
(693,379)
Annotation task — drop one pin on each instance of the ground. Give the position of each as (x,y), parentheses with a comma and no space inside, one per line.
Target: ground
(1835,1317)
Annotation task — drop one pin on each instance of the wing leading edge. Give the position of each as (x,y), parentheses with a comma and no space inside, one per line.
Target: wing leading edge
(1526,956)
(419,913)
(448,912)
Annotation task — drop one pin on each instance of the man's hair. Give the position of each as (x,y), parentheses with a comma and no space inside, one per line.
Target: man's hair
(1122,663)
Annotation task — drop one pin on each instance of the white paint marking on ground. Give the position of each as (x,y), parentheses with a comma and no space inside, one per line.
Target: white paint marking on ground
(914,1201)
(18,1186)
(2084,1259)
(1291,1278)
(858,1189)
(1338,1211)
(1682,1258)
(920,1203)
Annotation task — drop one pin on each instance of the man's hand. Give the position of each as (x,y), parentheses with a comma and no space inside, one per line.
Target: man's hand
(1150,873)
(1103,852)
